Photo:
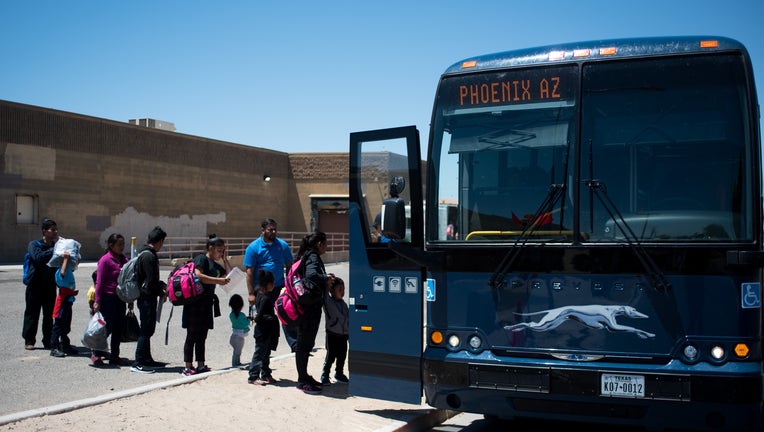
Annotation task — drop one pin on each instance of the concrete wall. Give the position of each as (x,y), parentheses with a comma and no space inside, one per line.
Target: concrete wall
(96,176)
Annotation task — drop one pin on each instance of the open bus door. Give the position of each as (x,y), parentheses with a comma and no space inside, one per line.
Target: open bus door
(385,289)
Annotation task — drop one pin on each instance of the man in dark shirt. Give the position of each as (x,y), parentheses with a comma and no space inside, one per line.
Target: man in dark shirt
(41,289)
(153,290)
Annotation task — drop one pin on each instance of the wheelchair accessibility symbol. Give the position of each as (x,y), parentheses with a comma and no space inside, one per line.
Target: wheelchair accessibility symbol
(750,294)
(429,292)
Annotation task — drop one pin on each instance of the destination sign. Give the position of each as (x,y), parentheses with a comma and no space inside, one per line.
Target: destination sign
(511,87)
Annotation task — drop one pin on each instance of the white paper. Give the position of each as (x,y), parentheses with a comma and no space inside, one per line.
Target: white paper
(237,279)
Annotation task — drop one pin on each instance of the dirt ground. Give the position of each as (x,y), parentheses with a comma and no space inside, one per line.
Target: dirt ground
(224,399)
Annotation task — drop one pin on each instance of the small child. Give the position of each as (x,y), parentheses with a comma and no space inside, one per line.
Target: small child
(62,311)
(336,319)
(266,331)
(95,356)
(239,328)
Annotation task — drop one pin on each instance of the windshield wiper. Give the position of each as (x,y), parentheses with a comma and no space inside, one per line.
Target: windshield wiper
(553,196)
(655,276)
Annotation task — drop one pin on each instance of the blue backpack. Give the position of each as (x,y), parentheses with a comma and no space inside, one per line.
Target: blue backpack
(27,268)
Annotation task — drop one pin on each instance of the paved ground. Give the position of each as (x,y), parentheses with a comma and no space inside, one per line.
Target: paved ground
(39,392)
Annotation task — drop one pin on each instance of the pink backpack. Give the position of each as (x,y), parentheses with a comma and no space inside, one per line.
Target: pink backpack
(288,308)
(183,287)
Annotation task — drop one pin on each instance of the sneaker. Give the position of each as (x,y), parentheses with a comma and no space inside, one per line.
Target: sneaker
(269,380)
(325,380)
(142,369)
(29,347)
(55,352)
(340,377)
(188,372)
(203,369)
(97,360)
(309,389)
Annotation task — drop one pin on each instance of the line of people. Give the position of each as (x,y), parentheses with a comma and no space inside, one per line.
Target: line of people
(266,260)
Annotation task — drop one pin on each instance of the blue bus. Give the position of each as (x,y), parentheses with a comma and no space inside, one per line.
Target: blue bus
(604,257)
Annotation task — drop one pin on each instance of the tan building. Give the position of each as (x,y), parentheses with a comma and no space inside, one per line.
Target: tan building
(96,176)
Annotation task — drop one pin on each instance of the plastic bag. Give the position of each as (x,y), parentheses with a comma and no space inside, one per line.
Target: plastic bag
(132,329)
(95,333)
(65,245)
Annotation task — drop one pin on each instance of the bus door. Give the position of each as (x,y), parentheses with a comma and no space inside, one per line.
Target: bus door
(385,289)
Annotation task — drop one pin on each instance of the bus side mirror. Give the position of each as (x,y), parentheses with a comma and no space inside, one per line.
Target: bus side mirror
(394,218)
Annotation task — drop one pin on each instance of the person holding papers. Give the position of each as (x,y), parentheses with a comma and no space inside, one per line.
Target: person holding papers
(211,268)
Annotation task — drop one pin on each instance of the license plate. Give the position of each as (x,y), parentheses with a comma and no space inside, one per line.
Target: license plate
(618,385)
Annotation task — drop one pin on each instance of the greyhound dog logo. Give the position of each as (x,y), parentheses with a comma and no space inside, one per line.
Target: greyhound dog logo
(592,316)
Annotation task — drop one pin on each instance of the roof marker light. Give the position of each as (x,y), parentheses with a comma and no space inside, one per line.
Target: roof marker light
(556,55)
(607,51)
(709,44)
(582,53)
(469,64)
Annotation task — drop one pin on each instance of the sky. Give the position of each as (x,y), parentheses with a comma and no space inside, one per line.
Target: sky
(300,76)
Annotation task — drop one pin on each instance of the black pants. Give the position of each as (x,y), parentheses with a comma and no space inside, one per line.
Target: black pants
(196,340)
(306,339)
(62,325)
(38,296)
(147,308)
(266,337)
(336,349)
(113,310)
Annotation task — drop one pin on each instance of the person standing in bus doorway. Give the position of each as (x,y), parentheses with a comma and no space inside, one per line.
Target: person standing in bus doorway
(316,282)
(41,287)
(153,290)
(270,253)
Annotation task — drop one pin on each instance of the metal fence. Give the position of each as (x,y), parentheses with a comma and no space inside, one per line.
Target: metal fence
(183,248)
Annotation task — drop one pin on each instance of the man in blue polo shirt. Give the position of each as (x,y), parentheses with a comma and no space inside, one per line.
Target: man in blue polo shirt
(270,253)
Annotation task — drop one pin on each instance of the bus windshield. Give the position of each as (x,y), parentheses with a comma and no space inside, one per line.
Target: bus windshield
(591,152)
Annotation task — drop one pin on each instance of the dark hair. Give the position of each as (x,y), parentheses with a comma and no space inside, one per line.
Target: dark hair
(94,275)
(156,235)
(47,224)
(112,240)
(310,241)
(236,303)
(266,222)
(264,278)
(338,281)
(214,240)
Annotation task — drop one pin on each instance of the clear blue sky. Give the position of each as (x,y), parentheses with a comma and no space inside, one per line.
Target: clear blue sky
(299,76)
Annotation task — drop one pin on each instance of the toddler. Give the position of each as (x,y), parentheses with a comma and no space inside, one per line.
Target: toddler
(239,328)
(336,320)
(62,311)
(95,356)
(266,331)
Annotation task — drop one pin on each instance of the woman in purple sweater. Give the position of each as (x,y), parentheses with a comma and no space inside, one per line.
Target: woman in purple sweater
(106,300)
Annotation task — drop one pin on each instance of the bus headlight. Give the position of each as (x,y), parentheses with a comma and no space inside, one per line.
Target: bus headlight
(691,353)
(453,341)
(475,342)
(717,352)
